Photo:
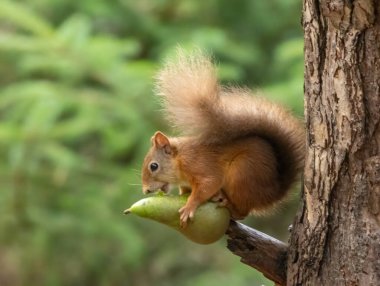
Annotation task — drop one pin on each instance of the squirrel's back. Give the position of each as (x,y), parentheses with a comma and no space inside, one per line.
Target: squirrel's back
(197,105)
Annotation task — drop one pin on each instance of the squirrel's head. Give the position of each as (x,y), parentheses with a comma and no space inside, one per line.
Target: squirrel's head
(159,170)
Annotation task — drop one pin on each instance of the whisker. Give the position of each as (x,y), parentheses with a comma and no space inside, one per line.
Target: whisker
(136,171)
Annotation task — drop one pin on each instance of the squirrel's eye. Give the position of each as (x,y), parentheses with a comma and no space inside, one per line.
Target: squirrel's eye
(153,166)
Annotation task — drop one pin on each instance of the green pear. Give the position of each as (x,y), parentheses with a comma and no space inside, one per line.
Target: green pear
(209,224)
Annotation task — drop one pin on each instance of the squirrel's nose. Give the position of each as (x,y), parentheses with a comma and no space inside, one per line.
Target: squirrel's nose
(146,190)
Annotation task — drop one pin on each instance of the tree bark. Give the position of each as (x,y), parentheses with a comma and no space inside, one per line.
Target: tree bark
(258,250)
(336,234)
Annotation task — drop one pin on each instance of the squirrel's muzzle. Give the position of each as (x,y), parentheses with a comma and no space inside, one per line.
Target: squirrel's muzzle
(151,189)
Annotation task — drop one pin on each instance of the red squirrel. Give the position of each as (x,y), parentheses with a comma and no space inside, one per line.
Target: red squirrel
(234,145)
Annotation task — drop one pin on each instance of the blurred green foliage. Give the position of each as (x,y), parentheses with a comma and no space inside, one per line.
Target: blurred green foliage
(77,112)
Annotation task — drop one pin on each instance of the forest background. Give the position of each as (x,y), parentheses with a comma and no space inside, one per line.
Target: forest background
(77,111)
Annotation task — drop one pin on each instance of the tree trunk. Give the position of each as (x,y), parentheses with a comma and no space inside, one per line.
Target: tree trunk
(336,234)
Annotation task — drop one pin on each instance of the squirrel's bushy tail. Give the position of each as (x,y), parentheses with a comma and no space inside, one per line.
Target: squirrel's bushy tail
(189,87)
(198,106)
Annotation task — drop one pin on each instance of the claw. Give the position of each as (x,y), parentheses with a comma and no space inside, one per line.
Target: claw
(186,214)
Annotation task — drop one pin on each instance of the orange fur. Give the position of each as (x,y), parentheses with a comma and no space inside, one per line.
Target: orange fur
(235,143)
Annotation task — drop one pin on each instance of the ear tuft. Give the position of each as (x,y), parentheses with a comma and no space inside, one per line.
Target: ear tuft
(161,141)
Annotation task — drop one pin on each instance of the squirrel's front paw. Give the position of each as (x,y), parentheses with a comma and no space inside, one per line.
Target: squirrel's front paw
(186,213)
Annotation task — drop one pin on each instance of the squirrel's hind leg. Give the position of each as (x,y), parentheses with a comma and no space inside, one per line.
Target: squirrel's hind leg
(251,178)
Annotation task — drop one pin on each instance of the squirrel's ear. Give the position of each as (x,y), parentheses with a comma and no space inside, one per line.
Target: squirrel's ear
(161,141)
